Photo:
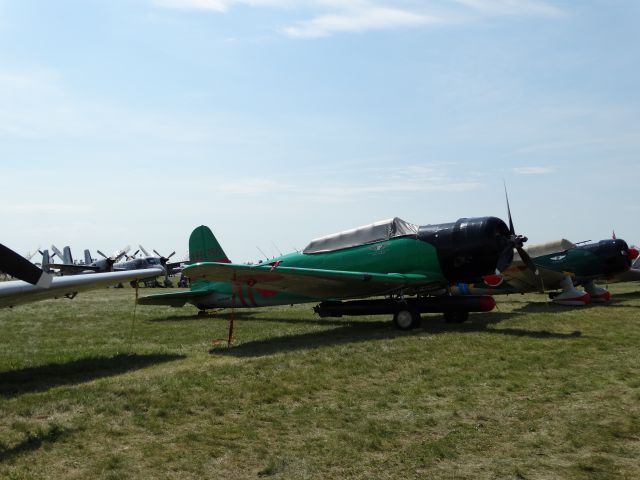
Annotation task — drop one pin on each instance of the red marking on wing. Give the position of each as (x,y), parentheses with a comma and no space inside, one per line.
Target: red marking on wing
(266,293)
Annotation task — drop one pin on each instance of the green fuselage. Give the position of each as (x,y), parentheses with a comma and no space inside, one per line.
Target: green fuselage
(405,255)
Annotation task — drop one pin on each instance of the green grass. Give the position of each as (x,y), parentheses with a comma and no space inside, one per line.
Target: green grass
(529,391)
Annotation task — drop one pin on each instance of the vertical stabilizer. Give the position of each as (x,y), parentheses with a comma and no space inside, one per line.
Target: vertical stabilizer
(46,260)
(203,247)
(87,257)
(66,256)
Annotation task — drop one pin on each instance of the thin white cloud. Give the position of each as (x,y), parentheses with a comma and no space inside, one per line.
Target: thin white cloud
(376,184)
(532,170)
(512,7)
(368,17)
(328,17)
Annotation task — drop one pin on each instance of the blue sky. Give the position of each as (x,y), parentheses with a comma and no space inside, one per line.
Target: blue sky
(277,121)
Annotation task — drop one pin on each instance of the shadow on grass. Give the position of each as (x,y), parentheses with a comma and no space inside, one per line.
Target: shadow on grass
(367,331)
(44,377)
(549,307)
(250,316)
(33,442)
(209,317)
(627,295)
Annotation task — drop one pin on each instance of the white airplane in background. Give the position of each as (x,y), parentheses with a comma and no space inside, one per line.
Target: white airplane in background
(35,284)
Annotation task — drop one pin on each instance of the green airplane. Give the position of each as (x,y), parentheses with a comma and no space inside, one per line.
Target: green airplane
(407,266)
(562,265)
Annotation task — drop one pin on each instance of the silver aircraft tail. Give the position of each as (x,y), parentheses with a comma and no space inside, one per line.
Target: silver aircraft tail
(67,258)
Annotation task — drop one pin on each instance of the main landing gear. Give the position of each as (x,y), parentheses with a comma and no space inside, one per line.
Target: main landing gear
(406,318)
(406,312)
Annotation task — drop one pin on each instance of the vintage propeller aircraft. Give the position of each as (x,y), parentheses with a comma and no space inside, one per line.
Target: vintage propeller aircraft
(169,268)
(69,267)
(404,263)
(562,265)
(35,284)
(109,264)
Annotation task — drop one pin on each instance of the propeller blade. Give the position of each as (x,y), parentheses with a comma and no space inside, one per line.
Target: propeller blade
(171,254)
(156,252)
(512,230)
(505,259)
(102,254)
(135,253)
(121,253)
(57,252)
(527,260)
(19,267)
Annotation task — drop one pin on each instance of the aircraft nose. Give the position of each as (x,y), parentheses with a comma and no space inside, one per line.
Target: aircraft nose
(632,254)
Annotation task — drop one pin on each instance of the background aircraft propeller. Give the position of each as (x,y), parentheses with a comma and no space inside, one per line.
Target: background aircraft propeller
(57,252)
(115,257)
(163,261)
(133,255)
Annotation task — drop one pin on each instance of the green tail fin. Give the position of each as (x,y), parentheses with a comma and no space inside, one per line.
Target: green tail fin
(203,247)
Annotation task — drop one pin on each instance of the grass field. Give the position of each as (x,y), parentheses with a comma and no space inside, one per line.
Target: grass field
(529,391)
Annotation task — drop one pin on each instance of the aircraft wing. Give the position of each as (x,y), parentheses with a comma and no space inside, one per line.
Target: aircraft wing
(309,282)
(18,292)
(173,299)
(524,280)
(631,275)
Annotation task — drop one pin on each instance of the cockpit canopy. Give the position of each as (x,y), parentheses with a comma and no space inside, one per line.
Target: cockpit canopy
(367,234)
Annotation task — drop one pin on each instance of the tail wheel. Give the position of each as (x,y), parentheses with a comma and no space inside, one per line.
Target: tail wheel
(406,319)
(456,317)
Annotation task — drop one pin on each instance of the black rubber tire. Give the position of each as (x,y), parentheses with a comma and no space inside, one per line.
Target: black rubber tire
(406,319)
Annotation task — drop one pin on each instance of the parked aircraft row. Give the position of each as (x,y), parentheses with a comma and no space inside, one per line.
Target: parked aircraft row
(36,284)
(113,263)
(454,268)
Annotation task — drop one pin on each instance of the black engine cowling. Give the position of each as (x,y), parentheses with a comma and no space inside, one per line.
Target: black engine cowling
(613,254)
(469,248)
